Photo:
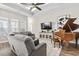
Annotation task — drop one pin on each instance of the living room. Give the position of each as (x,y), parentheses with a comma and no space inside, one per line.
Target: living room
(27,29)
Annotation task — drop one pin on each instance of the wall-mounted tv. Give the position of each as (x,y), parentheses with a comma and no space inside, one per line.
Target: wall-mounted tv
(46,26)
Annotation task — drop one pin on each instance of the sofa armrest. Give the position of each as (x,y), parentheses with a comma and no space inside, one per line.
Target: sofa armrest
(40,50)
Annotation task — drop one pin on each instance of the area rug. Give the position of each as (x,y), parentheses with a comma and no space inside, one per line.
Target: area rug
(70,50)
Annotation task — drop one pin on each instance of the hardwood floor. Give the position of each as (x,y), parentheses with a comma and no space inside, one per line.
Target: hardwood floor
(70,51)
(51,51)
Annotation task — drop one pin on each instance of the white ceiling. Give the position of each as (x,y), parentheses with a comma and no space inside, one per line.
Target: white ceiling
(19,8)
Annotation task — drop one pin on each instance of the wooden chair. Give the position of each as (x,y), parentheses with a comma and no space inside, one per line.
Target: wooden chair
(58,36)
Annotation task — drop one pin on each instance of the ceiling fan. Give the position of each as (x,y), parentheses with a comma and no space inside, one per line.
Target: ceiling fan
(33,5)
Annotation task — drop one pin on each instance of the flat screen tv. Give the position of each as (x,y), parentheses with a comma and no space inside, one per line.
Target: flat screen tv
(46,26)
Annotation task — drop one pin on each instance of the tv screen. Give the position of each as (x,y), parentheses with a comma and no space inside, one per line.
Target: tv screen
(46,26)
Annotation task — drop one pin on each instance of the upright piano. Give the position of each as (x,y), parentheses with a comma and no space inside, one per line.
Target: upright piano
(70,26)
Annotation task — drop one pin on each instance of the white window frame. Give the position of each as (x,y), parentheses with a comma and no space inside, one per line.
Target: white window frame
(16,27)
(30,21)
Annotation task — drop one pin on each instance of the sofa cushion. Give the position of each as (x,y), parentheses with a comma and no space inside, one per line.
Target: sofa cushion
(21,37)
(28,41)
(18,42)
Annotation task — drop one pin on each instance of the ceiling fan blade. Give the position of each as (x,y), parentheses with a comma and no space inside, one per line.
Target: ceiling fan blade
(39,3)
(26,4)
(38,8)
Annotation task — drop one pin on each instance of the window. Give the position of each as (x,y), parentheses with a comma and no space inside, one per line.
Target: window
(10,25)
(14,25)
(3,27)
(22,26)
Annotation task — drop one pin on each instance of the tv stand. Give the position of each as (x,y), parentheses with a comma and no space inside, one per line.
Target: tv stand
(46,35)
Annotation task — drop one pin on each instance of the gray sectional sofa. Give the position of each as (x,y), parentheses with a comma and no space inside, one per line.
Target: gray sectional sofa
(23,45)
